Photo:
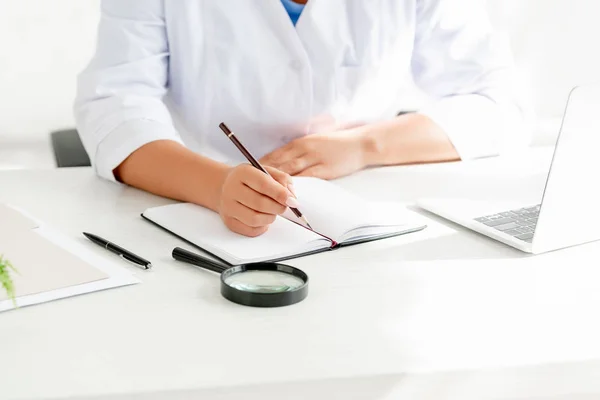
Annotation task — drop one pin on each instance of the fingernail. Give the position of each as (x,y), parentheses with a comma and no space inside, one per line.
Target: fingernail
(292,189)
(292,202)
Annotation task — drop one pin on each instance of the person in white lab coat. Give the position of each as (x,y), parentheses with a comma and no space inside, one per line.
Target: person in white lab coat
(311,95)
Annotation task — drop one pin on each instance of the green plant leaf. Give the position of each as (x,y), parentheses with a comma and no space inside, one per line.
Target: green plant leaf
(6,280)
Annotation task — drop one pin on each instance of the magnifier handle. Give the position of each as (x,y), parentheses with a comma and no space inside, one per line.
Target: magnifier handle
(187,256)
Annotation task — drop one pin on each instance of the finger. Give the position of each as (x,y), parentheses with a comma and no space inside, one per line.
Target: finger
(297,165)
(268,186)
(258,202)
(238,227)
(318,171)
(283,178)
(251,217)
(292,150)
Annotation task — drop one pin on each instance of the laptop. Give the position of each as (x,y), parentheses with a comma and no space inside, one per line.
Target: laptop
(569,211)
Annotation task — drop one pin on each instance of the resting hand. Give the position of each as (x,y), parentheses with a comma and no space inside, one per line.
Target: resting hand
(325,156)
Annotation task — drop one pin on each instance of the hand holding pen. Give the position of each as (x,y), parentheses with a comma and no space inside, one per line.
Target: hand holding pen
(253,195)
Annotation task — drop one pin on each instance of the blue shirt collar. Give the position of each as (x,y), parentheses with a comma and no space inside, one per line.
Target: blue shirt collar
(293,9)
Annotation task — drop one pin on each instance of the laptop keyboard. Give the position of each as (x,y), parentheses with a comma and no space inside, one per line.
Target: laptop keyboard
(519,223)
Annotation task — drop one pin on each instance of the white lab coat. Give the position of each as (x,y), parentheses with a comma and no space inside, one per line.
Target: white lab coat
(175,69)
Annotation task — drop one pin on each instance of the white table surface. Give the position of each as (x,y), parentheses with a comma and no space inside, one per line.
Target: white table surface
(439,314)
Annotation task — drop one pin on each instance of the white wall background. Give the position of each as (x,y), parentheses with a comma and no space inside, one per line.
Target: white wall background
(45,43)
(555,43)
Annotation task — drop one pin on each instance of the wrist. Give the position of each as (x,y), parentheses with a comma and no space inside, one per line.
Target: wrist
(369,145)
(208,188)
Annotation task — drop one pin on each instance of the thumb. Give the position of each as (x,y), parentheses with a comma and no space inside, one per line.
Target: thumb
(284,179)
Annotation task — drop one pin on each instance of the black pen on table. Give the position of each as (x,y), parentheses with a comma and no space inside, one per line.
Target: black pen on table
(255,164)
(118,250)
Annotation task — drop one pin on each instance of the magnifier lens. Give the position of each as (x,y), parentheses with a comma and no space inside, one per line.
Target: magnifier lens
(264,281)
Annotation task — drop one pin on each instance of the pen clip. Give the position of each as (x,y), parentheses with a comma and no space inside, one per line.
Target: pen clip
(135,263)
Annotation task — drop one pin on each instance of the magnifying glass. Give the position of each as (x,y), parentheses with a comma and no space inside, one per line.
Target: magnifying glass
(264,284)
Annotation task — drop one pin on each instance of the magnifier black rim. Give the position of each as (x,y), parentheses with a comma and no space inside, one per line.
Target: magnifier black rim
(254,299)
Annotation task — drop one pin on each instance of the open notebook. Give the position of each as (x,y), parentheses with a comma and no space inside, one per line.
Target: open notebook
(337,217)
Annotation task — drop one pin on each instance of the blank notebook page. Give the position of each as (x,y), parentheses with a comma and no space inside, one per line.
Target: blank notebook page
(205,229)
(334,211)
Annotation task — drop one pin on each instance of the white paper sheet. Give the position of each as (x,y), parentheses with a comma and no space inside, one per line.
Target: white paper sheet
(118,276)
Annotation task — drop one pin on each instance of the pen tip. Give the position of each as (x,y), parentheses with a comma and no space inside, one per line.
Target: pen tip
(306,222)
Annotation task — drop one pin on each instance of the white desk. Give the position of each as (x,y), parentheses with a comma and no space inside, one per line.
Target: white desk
(409,315)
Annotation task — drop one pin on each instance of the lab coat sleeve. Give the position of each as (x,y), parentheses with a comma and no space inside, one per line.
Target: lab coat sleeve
(467,69)
(119,105)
